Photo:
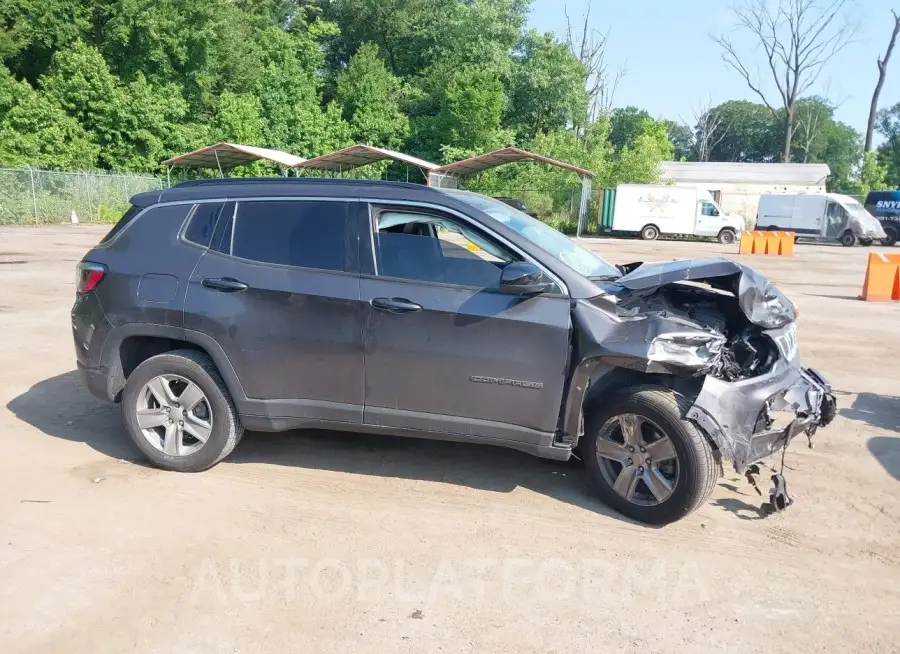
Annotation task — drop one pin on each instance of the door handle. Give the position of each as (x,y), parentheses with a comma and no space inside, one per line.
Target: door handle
(395,305)
(225,284)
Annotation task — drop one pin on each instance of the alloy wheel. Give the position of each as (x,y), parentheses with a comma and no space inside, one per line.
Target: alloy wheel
(637,459)
(174,415)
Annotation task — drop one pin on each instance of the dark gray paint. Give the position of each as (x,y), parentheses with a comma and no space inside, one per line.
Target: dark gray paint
(308,348)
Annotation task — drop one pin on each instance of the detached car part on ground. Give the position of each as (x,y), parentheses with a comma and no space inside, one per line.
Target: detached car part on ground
(655,373)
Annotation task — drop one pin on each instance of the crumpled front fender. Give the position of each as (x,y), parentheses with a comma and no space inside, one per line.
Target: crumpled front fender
(732,413)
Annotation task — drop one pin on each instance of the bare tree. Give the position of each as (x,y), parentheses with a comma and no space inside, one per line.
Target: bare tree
(798,38)
(709,129)
(882,74)
(809,119)
(589,46)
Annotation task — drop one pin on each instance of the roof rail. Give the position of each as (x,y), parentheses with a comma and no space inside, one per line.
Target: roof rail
(216,181)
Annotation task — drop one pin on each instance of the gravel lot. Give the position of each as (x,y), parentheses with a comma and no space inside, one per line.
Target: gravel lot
(328,542)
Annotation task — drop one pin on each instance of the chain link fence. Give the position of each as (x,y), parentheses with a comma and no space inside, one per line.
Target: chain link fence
(29,196)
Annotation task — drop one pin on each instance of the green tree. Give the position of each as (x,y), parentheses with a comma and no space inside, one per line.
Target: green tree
(36,132)
(638,163)
(889,152)
(682,139)
(370,97)
(31,31)
(473,107)
(626,124)
(547,86)
(238,119)
(415,35)
(872,175)
(131,123)
(747,133)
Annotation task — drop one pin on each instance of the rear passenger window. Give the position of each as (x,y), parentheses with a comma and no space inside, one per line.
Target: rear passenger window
(202,222)
(302,233)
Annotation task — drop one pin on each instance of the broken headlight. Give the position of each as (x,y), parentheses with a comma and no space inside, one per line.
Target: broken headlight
(763,304)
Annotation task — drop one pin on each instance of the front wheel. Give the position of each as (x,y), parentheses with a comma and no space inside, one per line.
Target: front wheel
(650,233)
(891,237)
(645,458)
(848,239)
(727,236)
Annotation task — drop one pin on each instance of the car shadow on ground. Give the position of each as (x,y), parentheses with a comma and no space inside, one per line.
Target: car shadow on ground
(886,450)
(881,411)
(61,407)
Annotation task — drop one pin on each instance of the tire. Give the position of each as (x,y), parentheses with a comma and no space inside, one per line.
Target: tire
(650,233)
(891,237)
(192,367)
(865,242)
(727,236)
(848,239)
(696,471)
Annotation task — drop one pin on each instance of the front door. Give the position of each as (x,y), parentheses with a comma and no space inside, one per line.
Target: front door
(709,222)
(445,349)
(835,220)
(279,291)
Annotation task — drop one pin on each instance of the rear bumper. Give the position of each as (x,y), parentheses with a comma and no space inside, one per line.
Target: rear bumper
(94,380)
(736,415)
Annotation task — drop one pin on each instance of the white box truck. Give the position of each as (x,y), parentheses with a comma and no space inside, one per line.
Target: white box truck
(823,216)
(651,210)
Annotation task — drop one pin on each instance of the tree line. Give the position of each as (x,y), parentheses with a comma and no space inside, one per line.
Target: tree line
(124,84)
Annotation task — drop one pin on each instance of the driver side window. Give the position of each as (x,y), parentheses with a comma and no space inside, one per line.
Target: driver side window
(436,248)
(709,209)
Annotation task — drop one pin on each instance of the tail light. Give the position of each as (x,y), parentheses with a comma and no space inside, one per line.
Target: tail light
(88,275)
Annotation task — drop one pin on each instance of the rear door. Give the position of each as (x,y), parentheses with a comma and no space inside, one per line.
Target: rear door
(279,291)
(445,350)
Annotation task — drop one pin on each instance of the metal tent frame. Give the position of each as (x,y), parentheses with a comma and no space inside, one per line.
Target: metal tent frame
(226,156)
(359,155)
(448,176)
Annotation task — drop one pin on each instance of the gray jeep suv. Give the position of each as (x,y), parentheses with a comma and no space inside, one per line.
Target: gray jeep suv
(272,304)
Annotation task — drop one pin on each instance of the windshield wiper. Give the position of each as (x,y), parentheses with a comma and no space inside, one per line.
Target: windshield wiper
(604,278)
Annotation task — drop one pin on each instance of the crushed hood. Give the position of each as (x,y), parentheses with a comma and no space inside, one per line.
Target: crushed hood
(761,302)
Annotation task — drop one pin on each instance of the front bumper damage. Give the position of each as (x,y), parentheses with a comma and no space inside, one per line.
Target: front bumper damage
(738,417)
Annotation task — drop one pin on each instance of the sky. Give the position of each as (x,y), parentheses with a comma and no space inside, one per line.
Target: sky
(673,66)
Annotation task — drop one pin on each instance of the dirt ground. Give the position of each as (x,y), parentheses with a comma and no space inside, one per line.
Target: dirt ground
(337,542)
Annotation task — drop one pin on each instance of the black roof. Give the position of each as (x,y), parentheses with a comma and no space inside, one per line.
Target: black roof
(233,187)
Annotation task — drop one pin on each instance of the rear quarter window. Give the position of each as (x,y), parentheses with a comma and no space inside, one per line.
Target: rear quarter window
(172,216)
(126,218)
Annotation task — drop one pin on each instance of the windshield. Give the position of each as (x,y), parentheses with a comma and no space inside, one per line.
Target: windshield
(856,210)
(554,243)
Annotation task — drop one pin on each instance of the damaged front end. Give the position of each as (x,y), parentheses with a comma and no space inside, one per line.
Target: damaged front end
(727,336)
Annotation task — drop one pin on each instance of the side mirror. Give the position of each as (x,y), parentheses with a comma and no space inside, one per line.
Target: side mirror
(524,278)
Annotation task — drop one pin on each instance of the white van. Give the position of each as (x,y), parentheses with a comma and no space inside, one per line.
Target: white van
(651,210)
(826,216)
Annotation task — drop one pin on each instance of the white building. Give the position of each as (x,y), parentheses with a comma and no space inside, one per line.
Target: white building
(736,187)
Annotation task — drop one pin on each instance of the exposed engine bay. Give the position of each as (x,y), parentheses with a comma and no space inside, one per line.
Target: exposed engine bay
(715,317)
(738,349)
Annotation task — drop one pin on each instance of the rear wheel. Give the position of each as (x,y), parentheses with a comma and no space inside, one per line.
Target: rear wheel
(650,233)
(891,236)
(865,242)
(726,236)
(644,457)
(178,412)
(848,239)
